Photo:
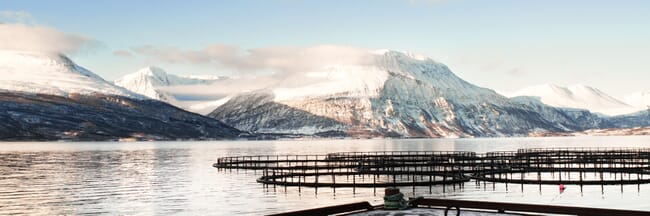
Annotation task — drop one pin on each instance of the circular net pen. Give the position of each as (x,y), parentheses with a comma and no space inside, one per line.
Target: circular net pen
(577,166)
(358,169)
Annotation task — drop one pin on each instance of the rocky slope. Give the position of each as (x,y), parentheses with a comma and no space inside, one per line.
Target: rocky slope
(638,119)
(101,117)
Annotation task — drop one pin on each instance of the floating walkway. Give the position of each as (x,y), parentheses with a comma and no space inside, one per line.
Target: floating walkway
(575,166)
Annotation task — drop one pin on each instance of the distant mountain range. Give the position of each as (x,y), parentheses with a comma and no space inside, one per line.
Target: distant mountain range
(177,90)
(578,96)
(396,94)
(157,84)
(48,97)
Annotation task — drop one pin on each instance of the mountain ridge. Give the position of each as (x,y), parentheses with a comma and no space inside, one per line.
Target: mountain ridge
(51,73)
(417,97)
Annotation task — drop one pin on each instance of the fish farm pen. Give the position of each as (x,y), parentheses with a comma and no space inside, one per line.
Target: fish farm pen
(450,169)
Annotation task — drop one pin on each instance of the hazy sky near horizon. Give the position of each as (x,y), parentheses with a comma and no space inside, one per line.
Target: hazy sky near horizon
(500,44)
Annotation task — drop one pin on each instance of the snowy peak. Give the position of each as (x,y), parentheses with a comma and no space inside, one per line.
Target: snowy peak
(54,74)
(177,90)
(594,94)
(368,79)
(149,80)
(420,68)
(412,55)
(143,82)
(156,76)
(576,96)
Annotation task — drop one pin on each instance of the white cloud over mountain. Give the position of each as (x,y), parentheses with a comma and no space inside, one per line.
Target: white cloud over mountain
(24,37)
(277,59)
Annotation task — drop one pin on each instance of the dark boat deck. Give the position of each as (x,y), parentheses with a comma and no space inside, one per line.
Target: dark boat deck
(426,212)
(462,207)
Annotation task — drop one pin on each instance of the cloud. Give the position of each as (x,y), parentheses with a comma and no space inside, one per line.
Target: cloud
(14,36)
(258,68)
(122,53)
(278,59)
(16,16)
(493,65)
(516,72)
(174,55)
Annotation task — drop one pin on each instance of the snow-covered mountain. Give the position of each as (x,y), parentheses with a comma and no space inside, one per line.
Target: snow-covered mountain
(640,99)
(49,97)
(398,94)
(52,74)
(576,96)
(156,83)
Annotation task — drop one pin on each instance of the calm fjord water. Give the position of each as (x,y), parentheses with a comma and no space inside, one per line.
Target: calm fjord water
(165,178)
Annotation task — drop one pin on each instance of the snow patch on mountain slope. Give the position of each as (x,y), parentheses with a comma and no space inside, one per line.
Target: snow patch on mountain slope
(206,107)
(576,96)
(348,80)
(53,74)
(640,99)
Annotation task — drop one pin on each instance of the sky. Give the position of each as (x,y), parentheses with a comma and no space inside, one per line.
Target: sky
(499,44)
